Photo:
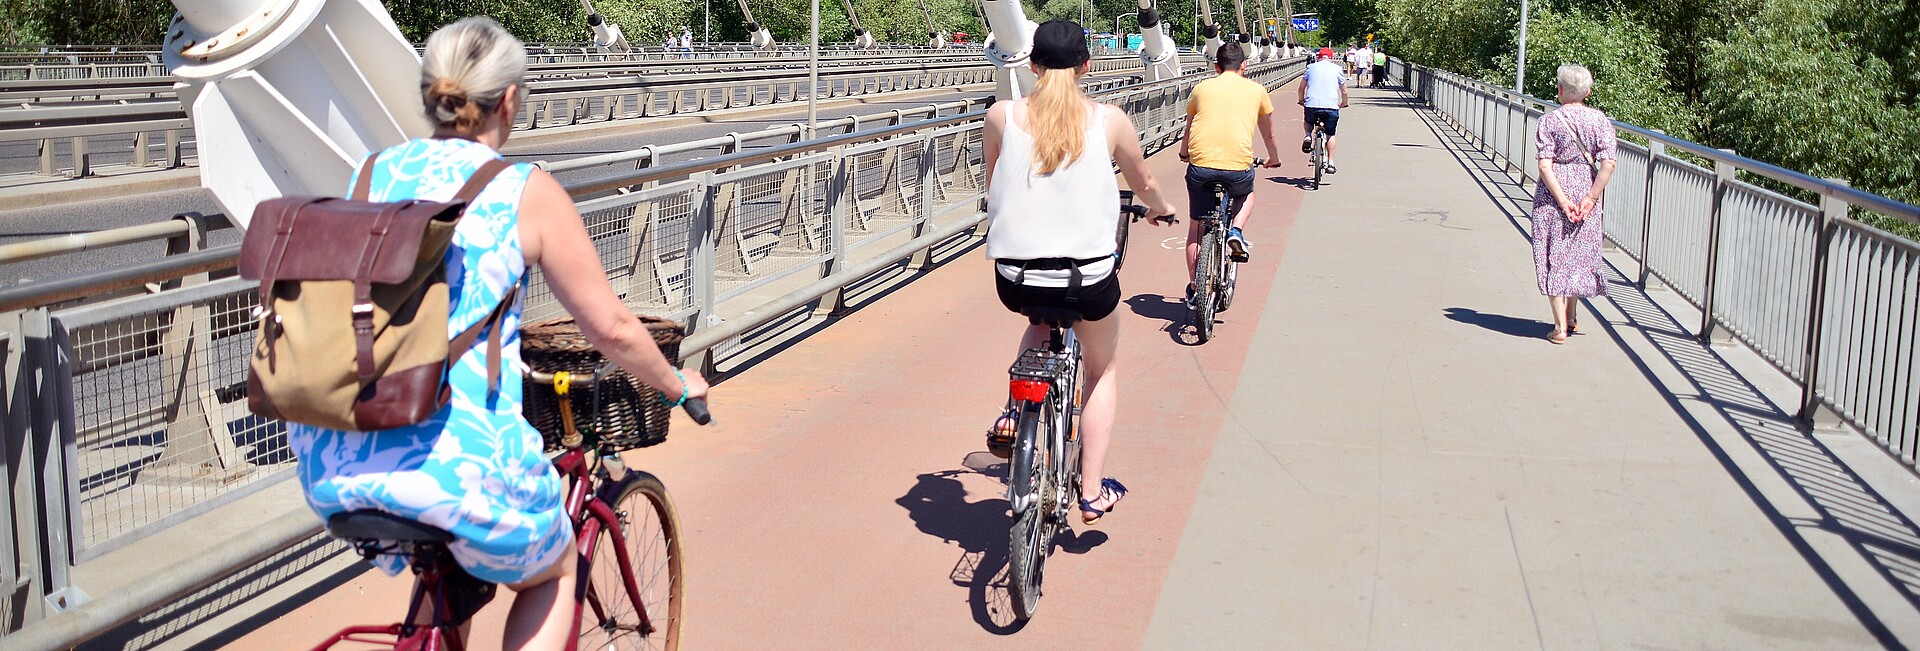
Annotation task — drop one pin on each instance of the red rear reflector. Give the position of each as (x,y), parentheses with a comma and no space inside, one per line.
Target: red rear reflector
(1028,390)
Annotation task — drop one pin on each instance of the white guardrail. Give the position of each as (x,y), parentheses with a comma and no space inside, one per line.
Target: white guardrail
(131,412)
(1828,299)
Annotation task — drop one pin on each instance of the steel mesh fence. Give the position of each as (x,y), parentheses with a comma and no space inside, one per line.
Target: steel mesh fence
(161,427)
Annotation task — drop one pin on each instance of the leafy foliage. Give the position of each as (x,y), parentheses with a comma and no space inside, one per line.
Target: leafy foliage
(1798,87)
(1630,76)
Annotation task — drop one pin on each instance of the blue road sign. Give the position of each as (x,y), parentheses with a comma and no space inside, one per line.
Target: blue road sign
(1306,24)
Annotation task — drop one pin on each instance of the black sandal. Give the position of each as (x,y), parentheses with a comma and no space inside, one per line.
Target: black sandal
(1108,486)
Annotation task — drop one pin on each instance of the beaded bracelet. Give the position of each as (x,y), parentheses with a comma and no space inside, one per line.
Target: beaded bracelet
(683,391)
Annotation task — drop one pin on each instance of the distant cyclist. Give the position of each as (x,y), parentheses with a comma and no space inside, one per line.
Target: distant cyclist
(1324,93)
(1217,144)
(1051,202)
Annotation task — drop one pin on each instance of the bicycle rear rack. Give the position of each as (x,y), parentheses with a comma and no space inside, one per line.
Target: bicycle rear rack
(1040,364)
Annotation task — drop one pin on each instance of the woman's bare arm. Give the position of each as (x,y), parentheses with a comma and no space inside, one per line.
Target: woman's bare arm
(553,236)
(1133,165)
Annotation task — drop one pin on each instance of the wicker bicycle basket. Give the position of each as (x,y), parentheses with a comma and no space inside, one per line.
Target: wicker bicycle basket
(629,413)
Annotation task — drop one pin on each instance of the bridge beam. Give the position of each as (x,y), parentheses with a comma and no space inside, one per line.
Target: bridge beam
(287,96)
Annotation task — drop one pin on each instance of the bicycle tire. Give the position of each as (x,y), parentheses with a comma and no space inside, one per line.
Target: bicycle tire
(609,621)
(1319,156)
(1204,285)
(1027,544)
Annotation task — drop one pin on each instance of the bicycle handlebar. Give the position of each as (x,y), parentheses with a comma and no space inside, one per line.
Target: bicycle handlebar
(696,408)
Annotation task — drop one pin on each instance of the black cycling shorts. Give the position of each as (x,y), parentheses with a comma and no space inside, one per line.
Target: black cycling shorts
(1094,301)
(1328,118)
(1200,197)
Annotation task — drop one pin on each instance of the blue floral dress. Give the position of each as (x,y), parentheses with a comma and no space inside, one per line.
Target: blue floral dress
(476,468)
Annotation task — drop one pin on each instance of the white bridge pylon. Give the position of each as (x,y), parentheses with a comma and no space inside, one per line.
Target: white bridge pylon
(286,96)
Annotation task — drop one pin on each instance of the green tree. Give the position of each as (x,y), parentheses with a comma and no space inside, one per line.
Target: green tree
(1801,84)
(1630,80)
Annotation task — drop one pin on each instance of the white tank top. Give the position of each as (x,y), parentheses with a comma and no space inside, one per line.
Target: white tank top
(1071,213)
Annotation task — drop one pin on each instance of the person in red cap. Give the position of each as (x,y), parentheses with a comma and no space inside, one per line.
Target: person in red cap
(1052,204)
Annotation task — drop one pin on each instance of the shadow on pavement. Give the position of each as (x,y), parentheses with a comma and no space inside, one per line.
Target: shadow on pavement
(938,505)
(1302,182)
(1844,504)
(1503,324)
(1171,310)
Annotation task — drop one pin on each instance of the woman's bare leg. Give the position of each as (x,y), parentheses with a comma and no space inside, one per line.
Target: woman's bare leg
(1559,305)
(1098,341)
(541,618)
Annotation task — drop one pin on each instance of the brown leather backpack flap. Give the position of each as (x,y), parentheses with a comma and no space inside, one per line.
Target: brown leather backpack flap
(312,238)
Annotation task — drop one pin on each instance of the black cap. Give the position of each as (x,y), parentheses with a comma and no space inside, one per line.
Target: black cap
(1060,44)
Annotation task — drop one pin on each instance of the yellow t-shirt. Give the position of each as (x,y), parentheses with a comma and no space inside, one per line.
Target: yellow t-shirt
(1226,111)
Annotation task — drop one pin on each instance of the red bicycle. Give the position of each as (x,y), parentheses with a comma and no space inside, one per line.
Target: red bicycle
(628,541)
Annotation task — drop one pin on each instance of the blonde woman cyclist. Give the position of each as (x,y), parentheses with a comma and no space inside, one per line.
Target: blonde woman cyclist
(1052,202)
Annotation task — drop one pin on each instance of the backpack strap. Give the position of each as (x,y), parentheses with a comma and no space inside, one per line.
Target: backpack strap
(495,323)
(363,184)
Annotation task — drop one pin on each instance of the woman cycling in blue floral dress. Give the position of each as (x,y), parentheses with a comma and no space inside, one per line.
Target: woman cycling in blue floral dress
(476,468)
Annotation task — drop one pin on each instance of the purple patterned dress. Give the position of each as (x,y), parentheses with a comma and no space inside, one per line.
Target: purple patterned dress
(1566,255)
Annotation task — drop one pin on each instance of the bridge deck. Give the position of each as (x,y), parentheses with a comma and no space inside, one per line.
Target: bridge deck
(1378,451)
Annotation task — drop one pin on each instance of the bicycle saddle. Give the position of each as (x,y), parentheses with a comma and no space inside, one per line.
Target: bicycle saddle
(1054,316)
(377,525)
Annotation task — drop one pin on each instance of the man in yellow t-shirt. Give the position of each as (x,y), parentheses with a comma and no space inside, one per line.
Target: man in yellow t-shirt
(1217,144)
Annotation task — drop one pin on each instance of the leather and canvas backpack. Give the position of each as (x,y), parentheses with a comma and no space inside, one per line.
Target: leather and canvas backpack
(354,306)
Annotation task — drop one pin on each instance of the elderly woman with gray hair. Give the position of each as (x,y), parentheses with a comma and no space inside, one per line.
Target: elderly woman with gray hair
(1576,144)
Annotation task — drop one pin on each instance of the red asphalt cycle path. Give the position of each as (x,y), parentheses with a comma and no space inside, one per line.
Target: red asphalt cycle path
(840,503)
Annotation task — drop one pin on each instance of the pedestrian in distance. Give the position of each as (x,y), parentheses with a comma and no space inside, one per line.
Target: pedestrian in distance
(1379,68)
(1052,207)
(1577,149)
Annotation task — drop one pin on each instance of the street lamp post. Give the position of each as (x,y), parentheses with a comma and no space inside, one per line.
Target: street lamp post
(1520,72)
(708,13)
(1119,38)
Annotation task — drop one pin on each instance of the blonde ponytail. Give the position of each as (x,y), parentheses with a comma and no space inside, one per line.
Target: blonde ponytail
(1057,114)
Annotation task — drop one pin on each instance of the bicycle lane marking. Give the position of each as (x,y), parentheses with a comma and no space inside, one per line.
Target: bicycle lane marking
(832,498)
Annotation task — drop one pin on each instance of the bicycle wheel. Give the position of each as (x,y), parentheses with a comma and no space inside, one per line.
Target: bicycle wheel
(652,544)
(1120,240)
(1319,156)
(1204,285)
(1028,543)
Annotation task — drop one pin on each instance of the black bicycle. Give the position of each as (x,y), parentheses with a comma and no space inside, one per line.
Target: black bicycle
(1043,476)
(1129,212)
(1214,273)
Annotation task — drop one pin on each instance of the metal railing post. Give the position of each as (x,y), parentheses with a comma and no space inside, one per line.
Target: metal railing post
(1655,149)
(929,157)
(839,214)
(1723,177)
(705,239)
(24,587)
(1812,413)
(44,455)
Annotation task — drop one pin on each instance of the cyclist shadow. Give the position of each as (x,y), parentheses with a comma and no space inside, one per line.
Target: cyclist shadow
(1304,183)
(1171,310)
(938,505)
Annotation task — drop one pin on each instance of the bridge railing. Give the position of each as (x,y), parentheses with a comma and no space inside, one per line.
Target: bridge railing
(1830,300)
(70,132)
(131,409)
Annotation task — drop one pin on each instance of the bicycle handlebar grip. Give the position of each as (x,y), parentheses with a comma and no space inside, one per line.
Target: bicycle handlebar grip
(697,410)
(1136,209)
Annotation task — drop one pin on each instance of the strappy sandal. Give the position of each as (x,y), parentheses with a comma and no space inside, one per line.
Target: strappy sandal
(1557,337)
(1108,487)
(1573,326)
(1000,435)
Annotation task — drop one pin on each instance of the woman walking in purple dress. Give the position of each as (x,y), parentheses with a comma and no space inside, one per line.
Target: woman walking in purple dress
(1576,159)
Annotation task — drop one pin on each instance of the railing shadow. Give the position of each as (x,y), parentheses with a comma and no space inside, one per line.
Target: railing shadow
(1843,502)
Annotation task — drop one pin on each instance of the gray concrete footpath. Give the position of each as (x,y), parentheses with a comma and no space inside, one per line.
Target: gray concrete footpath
(1409,464)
